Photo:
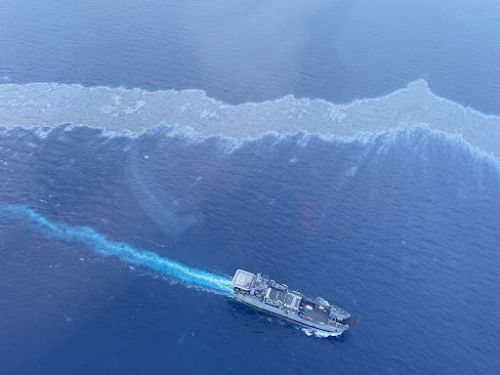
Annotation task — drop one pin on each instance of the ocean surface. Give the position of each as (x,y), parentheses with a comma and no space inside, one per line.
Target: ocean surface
(350,149)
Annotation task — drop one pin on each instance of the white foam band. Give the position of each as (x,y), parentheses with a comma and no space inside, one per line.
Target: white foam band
(136,110)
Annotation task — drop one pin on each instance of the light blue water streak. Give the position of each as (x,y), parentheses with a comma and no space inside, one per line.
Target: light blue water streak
(189,276)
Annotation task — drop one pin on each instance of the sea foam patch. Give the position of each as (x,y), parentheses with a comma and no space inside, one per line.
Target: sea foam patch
(136,110)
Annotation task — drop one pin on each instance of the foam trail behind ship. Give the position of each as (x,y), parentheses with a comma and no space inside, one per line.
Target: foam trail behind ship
(188,276)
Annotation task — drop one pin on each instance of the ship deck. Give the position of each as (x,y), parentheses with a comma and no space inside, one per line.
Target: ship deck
(316,316)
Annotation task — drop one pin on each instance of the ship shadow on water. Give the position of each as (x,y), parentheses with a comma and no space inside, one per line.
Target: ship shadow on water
(259,323)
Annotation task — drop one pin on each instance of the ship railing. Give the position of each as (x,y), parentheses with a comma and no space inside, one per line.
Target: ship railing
(334,323)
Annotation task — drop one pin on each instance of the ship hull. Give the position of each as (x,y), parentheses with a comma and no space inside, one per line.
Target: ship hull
(290,317)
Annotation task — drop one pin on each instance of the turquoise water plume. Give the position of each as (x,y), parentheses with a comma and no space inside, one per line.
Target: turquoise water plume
(188,276)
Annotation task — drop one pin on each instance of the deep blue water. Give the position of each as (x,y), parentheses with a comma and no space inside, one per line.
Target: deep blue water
(403,231)
(115,250)
(255,50)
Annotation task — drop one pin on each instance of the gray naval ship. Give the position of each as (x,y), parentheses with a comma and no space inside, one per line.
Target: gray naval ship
(267,295)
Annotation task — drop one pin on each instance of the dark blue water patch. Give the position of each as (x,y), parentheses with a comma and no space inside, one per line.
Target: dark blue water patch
(400,229)
(338,51)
